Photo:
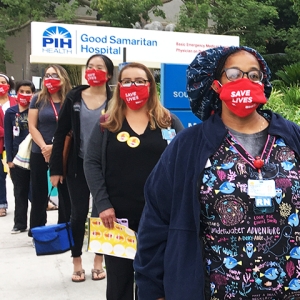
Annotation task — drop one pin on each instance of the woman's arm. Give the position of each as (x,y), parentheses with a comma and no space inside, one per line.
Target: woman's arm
(64,125)
(8,138)
(33,116)
(95,179)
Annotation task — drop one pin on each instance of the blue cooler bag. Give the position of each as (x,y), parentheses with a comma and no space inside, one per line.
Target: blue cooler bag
(52,239)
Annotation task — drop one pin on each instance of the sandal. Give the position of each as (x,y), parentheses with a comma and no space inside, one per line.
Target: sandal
(52,206)
(96,273)
(3,212)
(79,274)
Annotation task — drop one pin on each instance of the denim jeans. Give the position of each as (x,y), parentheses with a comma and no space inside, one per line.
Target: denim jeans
(3,200)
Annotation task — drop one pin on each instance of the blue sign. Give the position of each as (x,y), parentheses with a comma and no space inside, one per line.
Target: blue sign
(174,95)
(173,86)
(186,117)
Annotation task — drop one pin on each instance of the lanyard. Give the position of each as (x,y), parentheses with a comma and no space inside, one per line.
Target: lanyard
(258,161)
(54,109)
(17,119)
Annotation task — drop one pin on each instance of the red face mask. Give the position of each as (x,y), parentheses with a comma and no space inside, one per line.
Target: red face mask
(24,99)
(52,85)
(243,96)
(95,77)
(135,97)
(4,88)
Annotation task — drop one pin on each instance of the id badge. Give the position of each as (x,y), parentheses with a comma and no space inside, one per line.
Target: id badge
(261,188)
(168,134)
(16,130)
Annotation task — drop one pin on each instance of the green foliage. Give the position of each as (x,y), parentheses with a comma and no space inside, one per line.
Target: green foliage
(289,76)
(66,11)
(286,103)
(125,13)
(74,73)
(193,16)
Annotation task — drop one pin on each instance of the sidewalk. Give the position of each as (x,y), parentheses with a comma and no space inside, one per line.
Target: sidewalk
(23,275)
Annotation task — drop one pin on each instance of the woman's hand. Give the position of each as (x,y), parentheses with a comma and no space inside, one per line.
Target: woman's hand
(46,151)
(108,218)
(55,179)
(11,164)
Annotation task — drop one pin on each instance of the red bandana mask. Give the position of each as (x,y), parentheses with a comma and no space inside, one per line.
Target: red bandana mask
(52,85)
(24,99)
(243,96)
(4,88)
(135,97)
(95,77)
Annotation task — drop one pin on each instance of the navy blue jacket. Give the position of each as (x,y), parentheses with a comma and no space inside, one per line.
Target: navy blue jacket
(169,259)
(12,142)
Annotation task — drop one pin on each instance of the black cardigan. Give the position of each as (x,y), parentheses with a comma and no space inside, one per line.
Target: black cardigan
(69,119)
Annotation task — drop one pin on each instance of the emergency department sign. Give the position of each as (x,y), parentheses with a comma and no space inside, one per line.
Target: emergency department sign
(73,44)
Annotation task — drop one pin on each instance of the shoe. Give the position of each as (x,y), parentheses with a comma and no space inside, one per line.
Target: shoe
(79,274)
(96,273)
(3,212)
(17,230)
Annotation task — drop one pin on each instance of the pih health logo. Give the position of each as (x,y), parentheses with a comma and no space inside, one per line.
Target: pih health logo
(57,39)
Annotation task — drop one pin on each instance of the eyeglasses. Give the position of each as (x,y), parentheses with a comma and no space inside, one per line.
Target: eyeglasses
(53,75)
(233,74)
(137,82)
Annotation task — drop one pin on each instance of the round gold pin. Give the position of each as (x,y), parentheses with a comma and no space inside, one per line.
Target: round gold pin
(133,142)
(123,136)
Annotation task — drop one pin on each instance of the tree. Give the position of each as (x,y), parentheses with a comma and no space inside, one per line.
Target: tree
(194,16)
(126,13)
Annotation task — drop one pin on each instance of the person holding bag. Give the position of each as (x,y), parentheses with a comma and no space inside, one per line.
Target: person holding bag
(122,151)
(42,120)
(6,101)
(16,130)
(81,110)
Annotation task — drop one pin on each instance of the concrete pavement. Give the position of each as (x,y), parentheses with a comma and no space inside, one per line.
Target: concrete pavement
(23,275)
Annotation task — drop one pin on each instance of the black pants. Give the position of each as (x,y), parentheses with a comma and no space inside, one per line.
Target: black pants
(21,181)
(64,203)
(40,193)
(120,274)
(80,196)
(120,278)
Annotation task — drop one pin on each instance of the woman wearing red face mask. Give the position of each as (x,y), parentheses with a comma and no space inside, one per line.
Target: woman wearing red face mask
(215,225)
(16,129)
(42,120)
(121,153)
(6,85)
(81,110)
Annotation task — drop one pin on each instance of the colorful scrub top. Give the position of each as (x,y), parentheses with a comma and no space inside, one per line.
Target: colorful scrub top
(251,244)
